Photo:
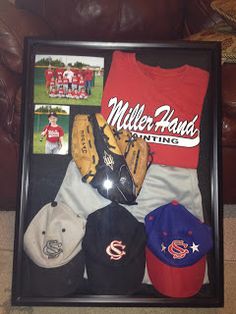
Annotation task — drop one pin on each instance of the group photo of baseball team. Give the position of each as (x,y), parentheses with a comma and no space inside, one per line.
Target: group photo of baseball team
(68,79)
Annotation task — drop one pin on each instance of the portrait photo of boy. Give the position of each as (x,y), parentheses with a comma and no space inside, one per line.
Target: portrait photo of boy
(51,127)
(54,135)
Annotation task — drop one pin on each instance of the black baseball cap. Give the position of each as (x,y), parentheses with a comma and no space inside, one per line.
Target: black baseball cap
(52,114)
(114,248)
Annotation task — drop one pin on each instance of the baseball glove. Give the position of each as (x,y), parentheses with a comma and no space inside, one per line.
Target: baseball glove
(137,154)
(99,159)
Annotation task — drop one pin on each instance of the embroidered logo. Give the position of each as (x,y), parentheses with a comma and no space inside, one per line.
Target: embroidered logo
(163,247)
(53,249)
(194,247)
(116,250)
(108,160)
(178,249)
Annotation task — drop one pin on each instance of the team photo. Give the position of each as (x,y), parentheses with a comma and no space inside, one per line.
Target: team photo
(74,80)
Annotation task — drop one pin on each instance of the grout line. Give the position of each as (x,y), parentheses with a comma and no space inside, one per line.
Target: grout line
(6,250)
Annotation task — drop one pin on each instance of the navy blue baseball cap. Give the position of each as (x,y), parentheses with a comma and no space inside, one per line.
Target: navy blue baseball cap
(114,248)
(177,244)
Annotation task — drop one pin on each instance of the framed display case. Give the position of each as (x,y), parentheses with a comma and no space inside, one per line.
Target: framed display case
(78,245)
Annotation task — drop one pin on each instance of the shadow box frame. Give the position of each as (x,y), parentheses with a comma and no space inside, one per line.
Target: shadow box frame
(166,54)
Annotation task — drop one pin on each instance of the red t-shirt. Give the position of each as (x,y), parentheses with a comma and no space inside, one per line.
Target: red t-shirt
(161,105)
(69,93)
(52,83)
(88,75)
(75,80)
(61,91)
(65,81)
(53,133)
(83,94)
(53,92)
(48,74)
(59,72)
(59,81)
(77,72)
(75,92)
(81,81)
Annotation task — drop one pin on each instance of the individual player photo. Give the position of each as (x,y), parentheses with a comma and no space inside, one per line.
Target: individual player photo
(51,129)
(72,80)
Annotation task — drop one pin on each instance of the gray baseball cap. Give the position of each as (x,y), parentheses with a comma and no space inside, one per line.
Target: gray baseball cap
(52,243)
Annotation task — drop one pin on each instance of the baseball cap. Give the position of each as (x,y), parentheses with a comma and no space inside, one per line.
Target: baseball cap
(53,247)
(177,244)
(114,246)
(52,114)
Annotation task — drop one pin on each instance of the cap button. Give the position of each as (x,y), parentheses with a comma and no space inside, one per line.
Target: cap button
(54,204)
(174,202)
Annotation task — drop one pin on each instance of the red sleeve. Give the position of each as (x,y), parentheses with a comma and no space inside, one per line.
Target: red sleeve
(45,128)
(61,131)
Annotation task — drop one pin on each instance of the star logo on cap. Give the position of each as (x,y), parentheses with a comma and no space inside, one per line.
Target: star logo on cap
(163,247)
(194,247)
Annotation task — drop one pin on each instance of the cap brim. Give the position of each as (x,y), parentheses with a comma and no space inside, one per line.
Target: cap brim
(125,279)
(58,281)
(176,282)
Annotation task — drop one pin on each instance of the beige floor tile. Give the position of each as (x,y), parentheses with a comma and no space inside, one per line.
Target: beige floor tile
(5,277)
(7,225)
(229,239)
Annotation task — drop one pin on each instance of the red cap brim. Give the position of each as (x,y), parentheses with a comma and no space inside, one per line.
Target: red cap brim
(176,282)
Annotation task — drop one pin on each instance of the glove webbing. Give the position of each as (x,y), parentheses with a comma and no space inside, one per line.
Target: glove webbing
(106,138)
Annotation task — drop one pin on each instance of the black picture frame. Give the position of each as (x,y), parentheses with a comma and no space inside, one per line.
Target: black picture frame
(168,54)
